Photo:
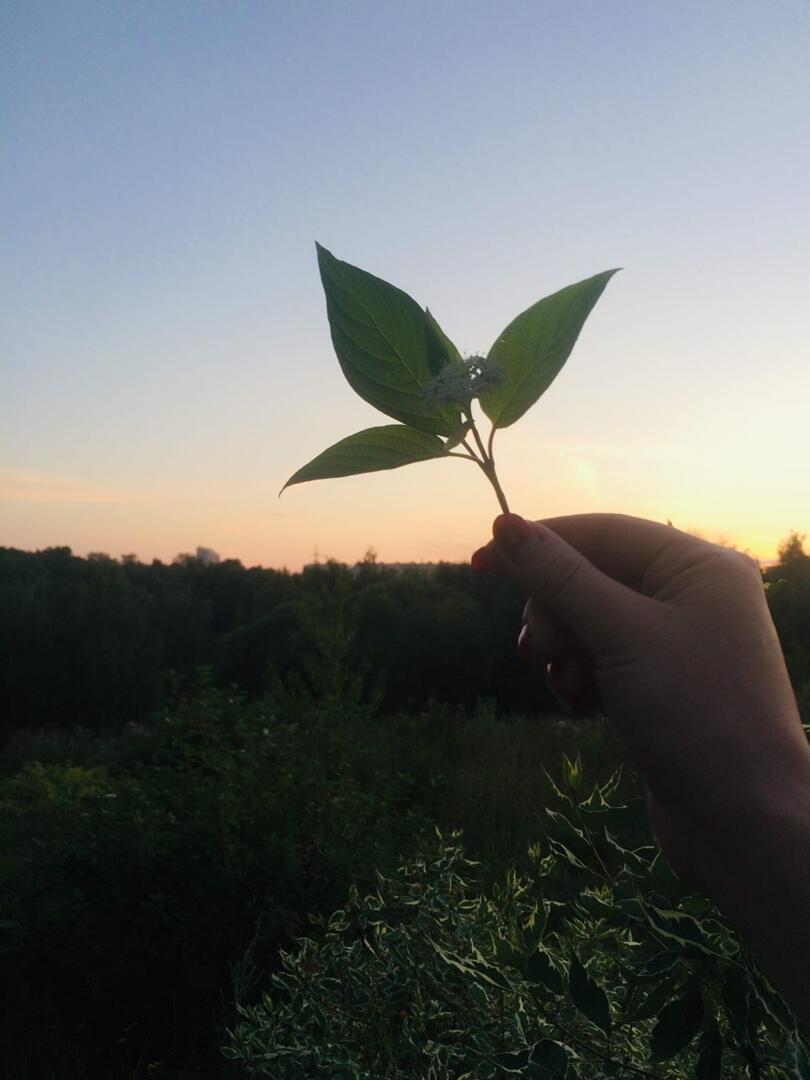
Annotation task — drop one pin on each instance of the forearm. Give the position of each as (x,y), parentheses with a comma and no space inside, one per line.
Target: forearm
(757,869)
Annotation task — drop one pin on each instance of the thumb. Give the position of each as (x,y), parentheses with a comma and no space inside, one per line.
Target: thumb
(596,608)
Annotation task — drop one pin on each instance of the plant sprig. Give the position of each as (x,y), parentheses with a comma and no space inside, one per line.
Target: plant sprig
(396,357)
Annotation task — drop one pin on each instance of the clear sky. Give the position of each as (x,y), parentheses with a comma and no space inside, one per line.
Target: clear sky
(167,166)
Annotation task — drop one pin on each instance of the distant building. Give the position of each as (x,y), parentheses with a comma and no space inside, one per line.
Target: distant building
(207,556)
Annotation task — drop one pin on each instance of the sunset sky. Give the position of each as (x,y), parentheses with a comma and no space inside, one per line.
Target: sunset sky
(167,167)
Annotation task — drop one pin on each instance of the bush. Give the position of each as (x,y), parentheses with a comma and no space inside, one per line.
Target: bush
(429,976)
(128,889)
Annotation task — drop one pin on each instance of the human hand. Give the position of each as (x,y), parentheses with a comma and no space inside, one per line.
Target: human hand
(672,636)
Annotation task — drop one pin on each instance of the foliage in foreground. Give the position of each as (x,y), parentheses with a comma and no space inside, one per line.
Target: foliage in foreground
(137,868)
(129,886)
(427,976)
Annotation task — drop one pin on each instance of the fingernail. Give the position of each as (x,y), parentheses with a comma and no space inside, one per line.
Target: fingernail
(510,531)
(479,560)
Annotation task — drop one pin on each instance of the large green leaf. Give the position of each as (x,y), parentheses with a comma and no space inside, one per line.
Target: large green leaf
(440,348)
(682,928)
(539,970)
(709,1064)
(677,1025)
(656,1000)
(737,1000)
(588,997)
(534,346)
(548,1058)
(799,1058)
(386,346)
(376,448)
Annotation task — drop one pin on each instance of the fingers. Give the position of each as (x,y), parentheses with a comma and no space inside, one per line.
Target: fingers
(596,608)
(545,643)
(573,682)
(623,547)
(548,636)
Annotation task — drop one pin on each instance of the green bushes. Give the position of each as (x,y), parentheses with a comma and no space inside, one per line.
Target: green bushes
(151,880)
(129,889)
(430,976)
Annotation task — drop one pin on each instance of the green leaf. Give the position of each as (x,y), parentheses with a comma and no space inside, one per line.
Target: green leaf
(773,1004)
(458,436)
(710,1059)
(506,953)
(387,447)
(386,347)
(564,852)
(612,784)
(557,913)
(548,1058)
(589,998)
(799,1058)
(619,816)
(440,348)
(597,908)
(737,1001)
(657,965)
(677,1025)
(540,971)
(565,828)
(572,772)
(481,970)
(512,1061)
(676,926)
(636,862)
(474,969)
(551,791)
(535,926)
(534,346)
(656,1000)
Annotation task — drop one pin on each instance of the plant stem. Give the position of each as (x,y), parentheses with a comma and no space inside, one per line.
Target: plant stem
(488,469)
(487,462)
(492,476)
(485,457)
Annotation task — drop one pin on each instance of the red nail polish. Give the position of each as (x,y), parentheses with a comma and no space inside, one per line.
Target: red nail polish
(510,531)
(479,560)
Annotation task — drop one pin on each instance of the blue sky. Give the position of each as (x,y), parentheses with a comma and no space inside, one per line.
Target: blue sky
(167,167)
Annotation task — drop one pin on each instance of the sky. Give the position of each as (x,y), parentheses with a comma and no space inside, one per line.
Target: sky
(166,168)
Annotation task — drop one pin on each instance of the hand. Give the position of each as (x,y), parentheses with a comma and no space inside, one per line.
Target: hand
(672,636)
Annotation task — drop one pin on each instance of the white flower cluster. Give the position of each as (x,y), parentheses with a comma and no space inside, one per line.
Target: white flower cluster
(462,380)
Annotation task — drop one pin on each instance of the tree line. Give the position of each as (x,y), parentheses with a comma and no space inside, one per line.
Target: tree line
(94,642)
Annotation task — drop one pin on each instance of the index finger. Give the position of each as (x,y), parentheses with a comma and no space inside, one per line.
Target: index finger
(623,547)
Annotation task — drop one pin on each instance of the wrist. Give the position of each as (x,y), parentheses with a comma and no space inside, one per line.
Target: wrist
(774,795)
(732,828)
(758,874)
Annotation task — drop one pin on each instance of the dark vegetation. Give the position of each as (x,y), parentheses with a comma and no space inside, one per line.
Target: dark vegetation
(88,642)
(198,758)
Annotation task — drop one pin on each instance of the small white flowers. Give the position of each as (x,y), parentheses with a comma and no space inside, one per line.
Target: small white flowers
(462,380)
